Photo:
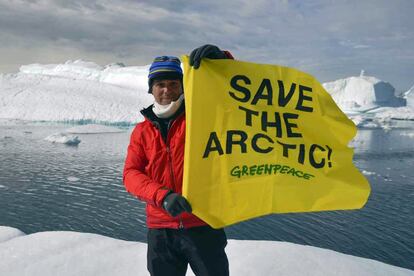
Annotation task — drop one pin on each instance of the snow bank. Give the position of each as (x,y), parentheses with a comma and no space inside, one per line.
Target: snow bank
(71,253)
(8,233)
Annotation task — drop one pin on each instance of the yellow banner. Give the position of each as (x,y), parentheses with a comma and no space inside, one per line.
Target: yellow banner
(264,139)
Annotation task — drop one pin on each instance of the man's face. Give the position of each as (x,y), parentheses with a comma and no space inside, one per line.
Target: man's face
(166,91)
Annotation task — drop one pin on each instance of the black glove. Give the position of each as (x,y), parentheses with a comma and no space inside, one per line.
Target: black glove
(206,51)
(176,204)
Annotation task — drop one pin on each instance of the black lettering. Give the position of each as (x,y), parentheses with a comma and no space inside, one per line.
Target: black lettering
(265,85)
(249,115)
(301,156)
(284,100)
(245,91)
(289,125)
(230,141)
(286,148)
(312,158)
(213,139)
(276,124)
(256,148)
(302,98)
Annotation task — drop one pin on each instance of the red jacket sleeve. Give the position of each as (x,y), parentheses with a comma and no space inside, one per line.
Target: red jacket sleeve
(135,180)
(228,54)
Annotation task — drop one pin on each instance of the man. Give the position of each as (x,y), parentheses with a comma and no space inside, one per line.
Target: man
(153,173)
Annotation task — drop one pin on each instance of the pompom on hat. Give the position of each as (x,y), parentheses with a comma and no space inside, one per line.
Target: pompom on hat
(165,68)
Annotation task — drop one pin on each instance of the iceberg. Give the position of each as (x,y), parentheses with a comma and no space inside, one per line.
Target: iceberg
(85,92)
(63,138)
(409,96)
(39,97)
(363,93)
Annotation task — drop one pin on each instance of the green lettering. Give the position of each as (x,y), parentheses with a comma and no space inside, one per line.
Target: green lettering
(244,170)
(235,171)
(253,170)
(307,176)
(259,169)
(284,169)
(277,167)
(299,174)
(291,171)
(268,169)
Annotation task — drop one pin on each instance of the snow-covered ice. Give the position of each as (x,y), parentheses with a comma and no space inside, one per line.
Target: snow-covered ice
(368,172)
(62,138)
(72,253)
(67,137)
(8,233)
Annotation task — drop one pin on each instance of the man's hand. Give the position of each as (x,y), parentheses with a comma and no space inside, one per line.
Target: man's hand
(206,51)
(176,204)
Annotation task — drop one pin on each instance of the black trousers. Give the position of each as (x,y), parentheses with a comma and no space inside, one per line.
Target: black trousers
(171,250)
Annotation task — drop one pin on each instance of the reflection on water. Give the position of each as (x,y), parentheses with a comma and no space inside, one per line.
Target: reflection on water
(56,187)
(45,186)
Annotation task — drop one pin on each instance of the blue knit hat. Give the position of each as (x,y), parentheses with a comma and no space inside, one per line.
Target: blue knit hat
(164,68)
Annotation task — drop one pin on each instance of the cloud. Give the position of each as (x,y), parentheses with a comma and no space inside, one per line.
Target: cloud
(329,39)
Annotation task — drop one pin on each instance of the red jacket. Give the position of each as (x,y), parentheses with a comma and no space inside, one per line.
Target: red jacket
(153,167)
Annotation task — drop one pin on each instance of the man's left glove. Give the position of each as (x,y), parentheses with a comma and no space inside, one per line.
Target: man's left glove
(176,204)
(206,51)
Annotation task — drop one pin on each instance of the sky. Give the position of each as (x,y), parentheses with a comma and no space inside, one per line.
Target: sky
(326,38)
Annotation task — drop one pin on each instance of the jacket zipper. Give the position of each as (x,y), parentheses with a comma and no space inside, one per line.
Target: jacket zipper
(181,225)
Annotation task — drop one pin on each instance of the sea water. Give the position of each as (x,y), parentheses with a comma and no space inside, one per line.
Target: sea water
(46,186)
